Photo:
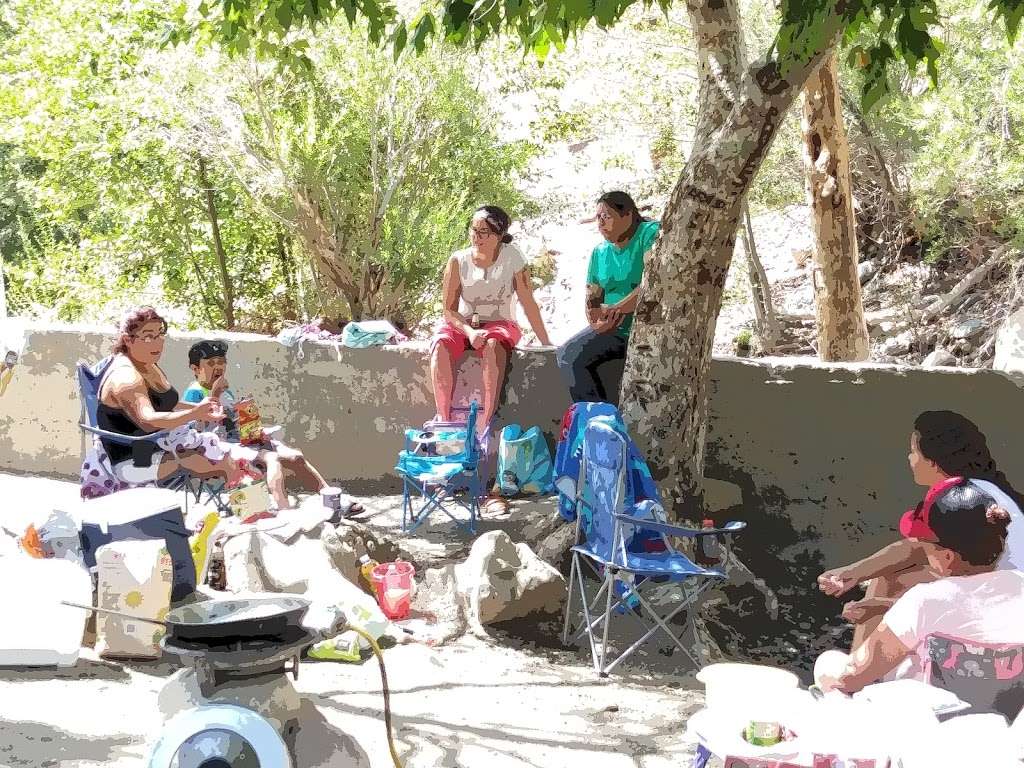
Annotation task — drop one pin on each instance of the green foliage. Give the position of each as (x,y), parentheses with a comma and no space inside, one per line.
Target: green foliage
(963,144)
(101,203)
(891,30)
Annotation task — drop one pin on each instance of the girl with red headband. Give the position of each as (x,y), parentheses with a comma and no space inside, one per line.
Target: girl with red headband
(943,444)
(965,630)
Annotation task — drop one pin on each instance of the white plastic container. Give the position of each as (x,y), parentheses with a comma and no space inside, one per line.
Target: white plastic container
(36,630)
(733,687)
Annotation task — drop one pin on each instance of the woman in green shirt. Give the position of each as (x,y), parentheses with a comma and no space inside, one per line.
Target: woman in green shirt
(613,284)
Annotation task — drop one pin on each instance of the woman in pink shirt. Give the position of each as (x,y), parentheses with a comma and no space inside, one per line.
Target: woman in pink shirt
(965,630)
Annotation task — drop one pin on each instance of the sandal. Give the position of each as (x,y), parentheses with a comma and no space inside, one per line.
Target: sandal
(495,504)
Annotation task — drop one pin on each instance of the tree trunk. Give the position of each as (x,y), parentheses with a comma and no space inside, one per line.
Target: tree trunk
(760,288)
(665,386)
(227,285)
(325,250)
(287,263)
(842,330)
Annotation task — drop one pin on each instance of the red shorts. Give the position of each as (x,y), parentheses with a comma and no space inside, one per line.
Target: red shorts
(505,332)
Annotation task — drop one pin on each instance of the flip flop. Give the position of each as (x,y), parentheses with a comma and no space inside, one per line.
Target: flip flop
(496,505)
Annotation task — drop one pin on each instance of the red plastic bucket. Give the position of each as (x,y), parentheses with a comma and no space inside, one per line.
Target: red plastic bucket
(394,588)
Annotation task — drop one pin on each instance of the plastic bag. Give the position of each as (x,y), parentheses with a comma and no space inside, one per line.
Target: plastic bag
(524,462)
(58,537)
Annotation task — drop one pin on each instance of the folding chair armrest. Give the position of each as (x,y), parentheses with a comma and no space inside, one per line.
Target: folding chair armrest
(117,437)
(678,530)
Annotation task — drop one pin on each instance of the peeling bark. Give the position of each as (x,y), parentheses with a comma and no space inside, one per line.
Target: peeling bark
(842,330)
(665,386)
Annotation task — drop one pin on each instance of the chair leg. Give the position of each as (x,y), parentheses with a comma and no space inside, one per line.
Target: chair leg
(568,600)
(610,583)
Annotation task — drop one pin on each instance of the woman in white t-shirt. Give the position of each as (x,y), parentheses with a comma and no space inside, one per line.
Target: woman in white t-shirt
(480,283)
(965,630)
(943,444)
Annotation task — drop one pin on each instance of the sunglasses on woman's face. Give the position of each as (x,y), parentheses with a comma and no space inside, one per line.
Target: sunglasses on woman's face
(149,338)
(604,218)
(481,232)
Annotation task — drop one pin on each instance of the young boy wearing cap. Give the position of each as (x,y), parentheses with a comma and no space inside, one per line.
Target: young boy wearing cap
(208,361)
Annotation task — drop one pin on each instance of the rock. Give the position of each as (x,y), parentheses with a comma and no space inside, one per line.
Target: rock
(533,523)
(967,329)
(961,347)
(968,301)
(555,547)
(1010,344)
(349,540)
(866,270)
(937,358)
(898,345)
(501,581)
(546,532)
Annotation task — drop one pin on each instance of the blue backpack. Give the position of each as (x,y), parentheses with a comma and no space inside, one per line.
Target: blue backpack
(524,462)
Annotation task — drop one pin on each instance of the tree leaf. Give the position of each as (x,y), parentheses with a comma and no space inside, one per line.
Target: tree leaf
(283,14)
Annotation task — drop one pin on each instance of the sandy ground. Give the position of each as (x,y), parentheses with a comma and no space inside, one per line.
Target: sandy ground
(498,702)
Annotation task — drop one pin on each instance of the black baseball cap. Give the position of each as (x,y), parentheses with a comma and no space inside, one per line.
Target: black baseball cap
(205,349)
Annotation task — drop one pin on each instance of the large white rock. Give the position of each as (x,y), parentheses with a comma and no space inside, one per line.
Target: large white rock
(501,581)
(1010,344)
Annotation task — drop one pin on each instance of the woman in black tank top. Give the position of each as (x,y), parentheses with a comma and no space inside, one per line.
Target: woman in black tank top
(137,399)
(114,419)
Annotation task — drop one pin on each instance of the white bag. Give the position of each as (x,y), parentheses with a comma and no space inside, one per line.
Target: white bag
(133,577)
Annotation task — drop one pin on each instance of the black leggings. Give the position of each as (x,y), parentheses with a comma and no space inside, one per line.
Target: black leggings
(579,360)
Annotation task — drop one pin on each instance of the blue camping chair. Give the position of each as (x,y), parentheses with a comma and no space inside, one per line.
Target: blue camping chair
(90,380)
(440,465)
(607,530)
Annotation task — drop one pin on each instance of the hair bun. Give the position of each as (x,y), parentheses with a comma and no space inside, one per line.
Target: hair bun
(506,238)
(997,516)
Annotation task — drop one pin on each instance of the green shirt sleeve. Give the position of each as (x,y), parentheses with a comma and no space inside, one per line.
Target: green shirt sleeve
(592,268)
(650,232)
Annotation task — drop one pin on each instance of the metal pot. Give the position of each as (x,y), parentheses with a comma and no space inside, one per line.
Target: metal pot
(226,619)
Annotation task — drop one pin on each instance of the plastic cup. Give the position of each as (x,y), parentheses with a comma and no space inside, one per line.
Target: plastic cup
(394,584)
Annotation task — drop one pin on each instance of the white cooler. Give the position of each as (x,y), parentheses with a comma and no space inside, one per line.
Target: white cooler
(36,629)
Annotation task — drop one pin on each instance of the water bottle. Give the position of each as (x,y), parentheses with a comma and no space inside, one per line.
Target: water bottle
(709,551)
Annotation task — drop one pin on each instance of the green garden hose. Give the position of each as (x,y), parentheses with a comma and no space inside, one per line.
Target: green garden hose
(387,693)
